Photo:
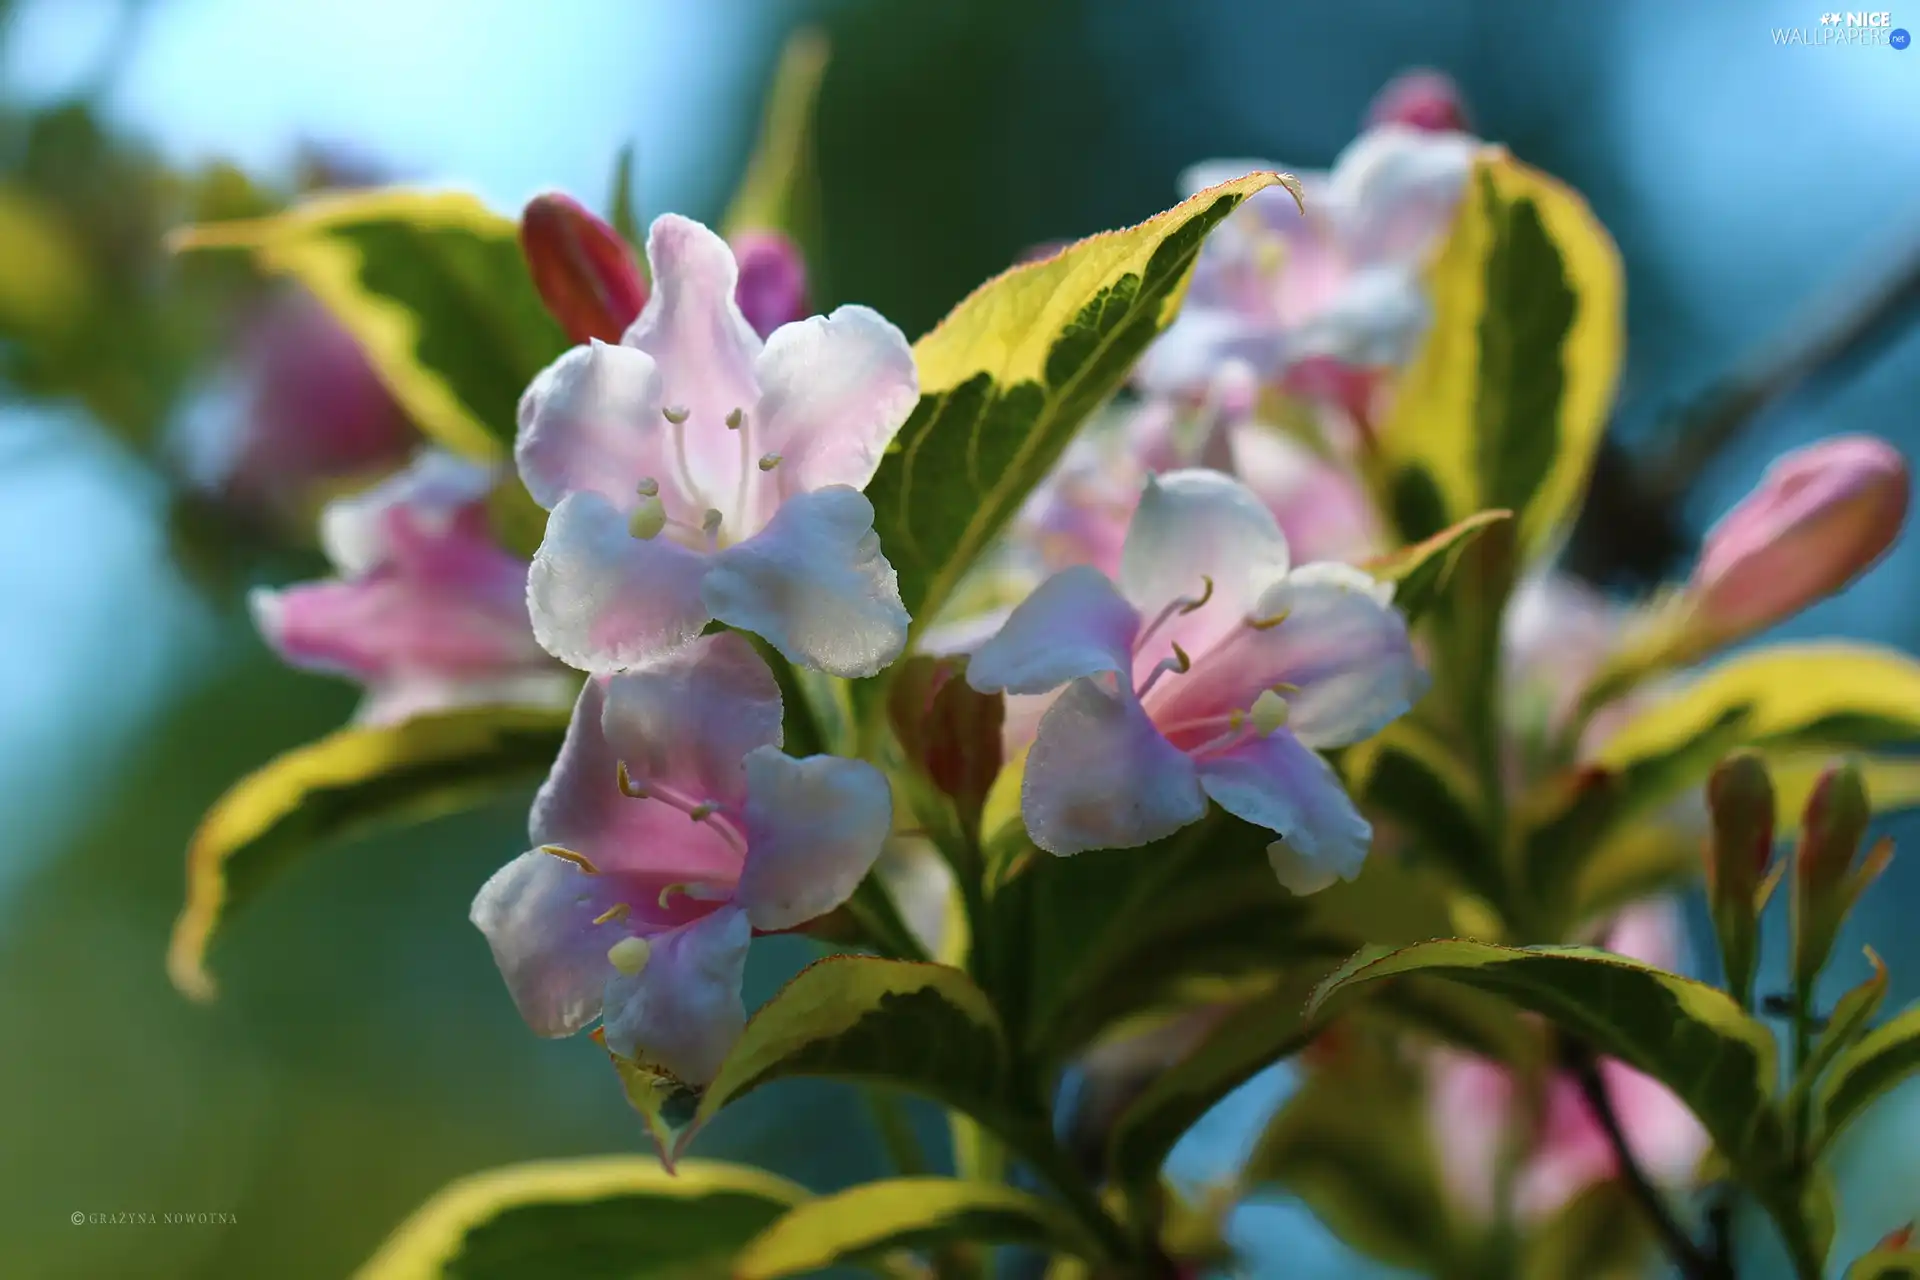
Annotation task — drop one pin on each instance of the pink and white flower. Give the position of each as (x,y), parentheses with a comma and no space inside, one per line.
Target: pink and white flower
(671,830)
(1337,289)
(1213,669)
(695,473)
(1476,1103)
(429,612)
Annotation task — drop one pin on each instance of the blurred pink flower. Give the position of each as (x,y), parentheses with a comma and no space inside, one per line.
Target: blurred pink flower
(1420,99)
(773,280)
(1267,664)
(1476,1104)
(695,473)
(428,611)
(671,829)
(1335,288)
(310,414)
(1819,518)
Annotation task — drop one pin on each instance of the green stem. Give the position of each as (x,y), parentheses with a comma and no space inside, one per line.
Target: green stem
(1694,1263)
(1802,1050)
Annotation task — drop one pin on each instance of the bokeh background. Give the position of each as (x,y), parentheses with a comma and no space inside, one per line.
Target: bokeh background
(364,1051)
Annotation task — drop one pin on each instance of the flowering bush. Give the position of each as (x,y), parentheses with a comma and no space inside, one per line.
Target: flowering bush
(1188,593)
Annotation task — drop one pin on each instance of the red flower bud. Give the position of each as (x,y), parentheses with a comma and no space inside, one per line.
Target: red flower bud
(1819,518)
(1421,99)
(585,272)
(950,731)
(1825,882)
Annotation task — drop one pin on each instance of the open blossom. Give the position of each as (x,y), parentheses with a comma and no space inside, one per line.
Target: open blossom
(1213,669)
(672,829)
(1475,1103)
(1336,289)
(695,473)
(428,612)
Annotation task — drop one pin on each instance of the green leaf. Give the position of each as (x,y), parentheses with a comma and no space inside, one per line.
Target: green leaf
(778,191)
(1249,1040)
(1859,1075)
(1420,572)
(1355,1143)
(1505,403)
(907,1213)
(922,1028)
(1078,944)
(1784,700)
(1691,1037)
(622,212)
(1411,776)
(596,1218)
(1009,375)
(1852,1015)
(1601,1234)
(1886,1264)
(432,285)
(346,783)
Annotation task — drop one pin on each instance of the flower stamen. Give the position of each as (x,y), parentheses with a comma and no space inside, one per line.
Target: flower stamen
(618,911)
(1178,664)
(1179,605)
(579,860)
(1268,624)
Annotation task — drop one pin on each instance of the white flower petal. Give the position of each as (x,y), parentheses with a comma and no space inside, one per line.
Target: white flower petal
(683,1010)
(1100,776)
(1347,650)
(1286,787)
(815,585)
(603,600)
(814,828)
(590,423)
(1074,624)
(834,390)
(1196,525)
(537,913)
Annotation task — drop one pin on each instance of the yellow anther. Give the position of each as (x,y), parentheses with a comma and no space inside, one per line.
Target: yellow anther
(628,787)
(648,487)
(735,418)
(629,955)
(648,519)
(618,911)
(1267,624)
(1269,712)
(769,461)
(702,811)
(1180,656)
(710,522)
(675,413)
(667,894)
(1206,594)
(579,860)
(1283,687)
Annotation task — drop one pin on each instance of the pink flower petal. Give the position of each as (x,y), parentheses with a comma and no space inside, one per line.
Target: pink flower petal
(694,715)
(603,600)
(1074,624)
(1277,783)
(1100,776)
(683,1010)
(834,391)
(1192,526)
(580,807)
(704,347)
(814,828)
(591,423)
(815,585)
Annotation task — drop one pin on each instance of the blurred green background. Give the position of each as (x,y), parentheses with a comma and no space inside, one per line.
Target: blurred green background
(364,1050)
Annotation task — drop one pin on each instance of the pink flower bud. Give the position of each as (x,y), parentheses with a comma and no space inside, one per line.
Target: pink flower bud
(1820,517)
(772,290)
(1825,880)
(1421,99)
(584,271)
(1740,796)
